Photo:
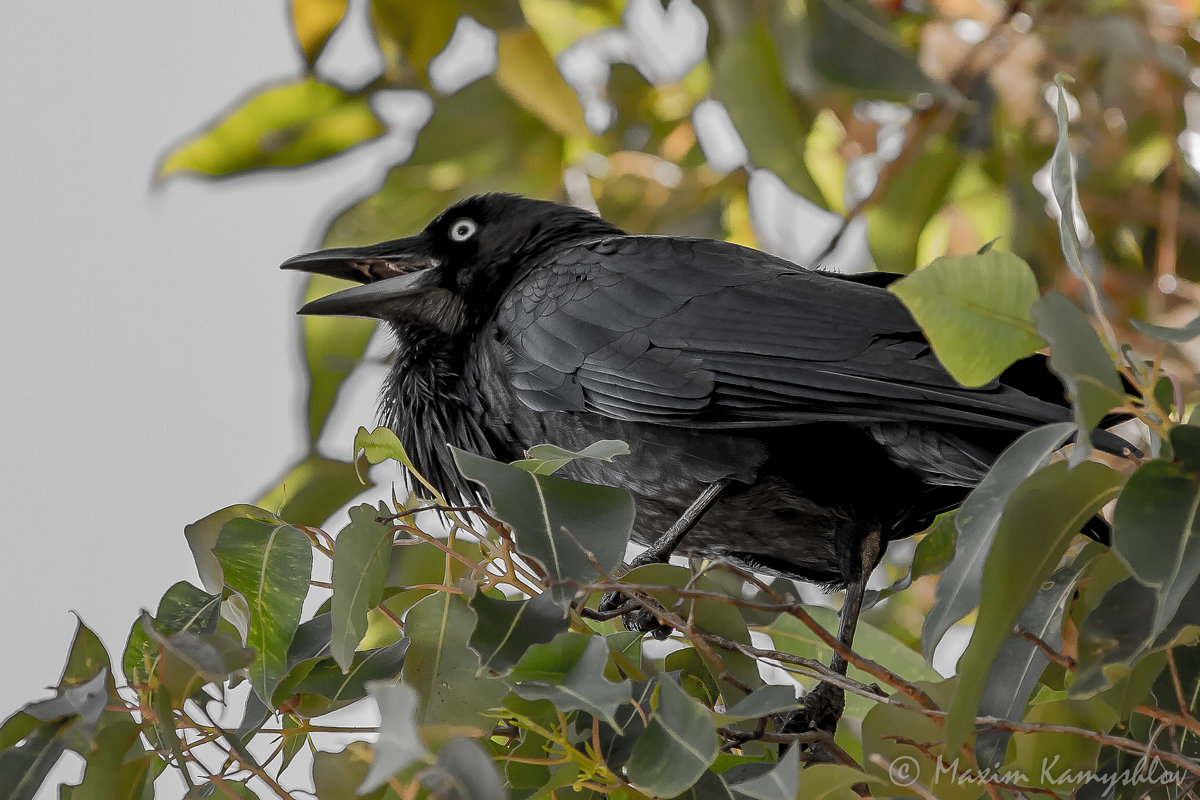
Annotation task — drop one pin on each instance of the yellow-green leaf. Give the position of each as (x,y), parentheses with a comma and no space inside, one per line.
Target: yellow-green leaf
(976,312)
(527,73)
(313,21)
(280,126)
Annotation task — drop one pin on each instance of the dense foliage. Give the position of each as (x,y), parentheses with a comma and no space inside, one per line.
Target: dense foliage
(468,629)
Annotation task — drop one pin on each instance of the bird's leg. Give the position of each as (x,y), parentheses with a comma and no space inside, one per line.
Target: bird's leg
(660,552)
(823,706)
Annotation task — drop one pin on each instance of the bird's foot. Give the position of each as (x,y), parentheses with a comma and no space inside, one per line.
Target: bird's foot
(640,620)
(821,710)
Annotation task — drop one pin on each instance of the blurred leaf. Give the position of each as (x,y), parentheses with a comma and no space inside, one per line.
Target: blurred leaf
(313,21)
(1156,532)
(1048,757)
(24,766)
(961,585)
(1066,194)
(1042,515)
(528,74)
(333,347)
(118,768)
(280,126)
(555,519)
(1018,665)
(1178,335)
(1078,357)
(677,747)
(312,490)
(975,311)
(853,47)
(1185,443)
(399,744)
(571,684)
(495,14)
(935,552)
(270,566)
(419,28)
(546,459)
(362,555)
(909,196)
(506,629)
(443,669)
(337,776)
(467,771)
(748,80)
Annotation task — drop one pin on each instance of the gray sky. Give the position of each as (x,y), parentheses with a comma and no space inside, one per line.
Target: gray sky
(148,344)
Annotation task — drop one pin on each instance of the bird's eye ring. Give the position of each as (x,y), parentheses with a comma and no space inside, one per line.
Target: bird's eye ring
(463,229)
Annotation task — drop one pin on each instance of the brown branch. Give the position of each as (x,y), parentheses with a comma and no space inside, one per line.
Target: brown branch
(1062,660)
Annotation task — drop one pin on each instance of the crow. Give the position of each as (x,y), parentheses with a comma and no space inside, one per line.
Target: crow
(785,420)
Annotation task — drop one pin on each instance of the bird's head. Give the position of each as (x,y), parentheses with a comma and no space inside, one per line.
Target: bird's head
(454,272)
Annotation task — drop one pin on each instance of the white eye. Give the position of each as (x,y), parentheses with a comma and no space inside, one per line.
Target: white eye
(463,229)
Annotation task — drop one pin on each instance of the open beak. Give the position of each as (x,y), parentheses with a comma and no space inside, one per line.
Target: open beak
(391,271)
(375,299)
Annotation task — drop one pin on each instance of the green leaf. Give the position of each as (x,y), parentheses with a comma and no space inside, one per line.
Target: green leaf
(769,699)
(337,776)
(1178,335)
(1018,665)
(571,683)
(853,47)
(975,311)
(1156,532)
(562,524)
(361,558)
(506,629)
(378,446)
(312,490)
(1078,357)
(443,669)
(1041,517)
(677,747)
(781,782)
(961,585)
(313,21)
(1052,759)
(324,687)
(527,73)
(23,767)
(118,766)
(270,566)
(748,80)
(469,772)
(202,536)
(399,745)
(419,28)
(280,126)
(546,459)
(183,607)
(187,660)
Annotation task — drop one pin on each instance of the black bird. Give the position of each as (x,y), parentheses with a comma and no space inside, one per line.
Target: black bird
(786,420)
